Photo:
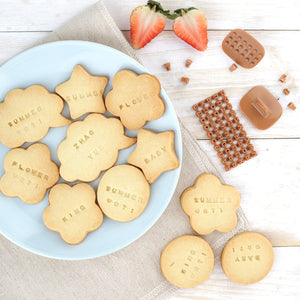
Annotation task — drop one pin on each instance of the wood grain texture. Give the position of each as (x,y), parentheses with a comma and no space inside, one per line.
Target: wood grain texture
(281,283)
(45,15)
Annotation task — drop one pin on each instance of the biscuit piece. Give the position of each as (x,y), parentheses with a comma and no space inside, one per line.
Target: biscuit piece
(187,261)
(83,92)
(91,146)
(123,193)
(28,173)
(135,99)
(72,212)
(26,115)
(210,205)
(154,153)
(247,258)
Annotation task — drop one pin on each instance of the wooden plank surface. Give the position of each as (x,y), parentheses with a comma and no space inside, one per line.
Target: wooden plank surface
(45,15)
(281,283)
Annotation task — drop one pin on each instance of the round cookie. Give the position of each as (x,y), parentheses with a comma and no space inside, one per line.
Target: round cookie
(123,193)
(247,258)
(187,261)
(72,212)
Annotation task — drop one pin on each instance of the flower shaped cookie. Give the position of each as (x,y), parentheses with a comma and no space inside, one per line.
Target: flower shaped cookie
(28,173)
(210,205)
(72,212)
(91,146)
(135,99)
(26,115)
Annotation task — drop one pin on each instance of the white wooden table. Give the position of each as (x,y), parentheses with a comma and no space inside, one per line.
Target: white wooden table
(269,183)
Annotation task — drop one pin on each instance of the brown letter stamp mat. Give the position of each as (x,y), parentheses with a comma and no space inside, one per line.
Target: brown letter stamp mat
(224,129)
(243,48)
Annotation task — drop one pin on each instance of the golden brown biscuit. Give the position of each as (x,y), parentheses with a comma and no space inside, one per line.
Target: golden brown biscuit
(28,173)
(154,153)
(83,92)
(26,115)
(247,258)
(91,146)
(187,261)
(210,205)
(135,99)
(72,212)
(123,193)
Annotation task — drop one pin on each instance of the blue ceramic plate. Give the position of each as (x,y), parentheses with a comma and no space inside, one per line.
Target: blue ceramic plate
(22,223)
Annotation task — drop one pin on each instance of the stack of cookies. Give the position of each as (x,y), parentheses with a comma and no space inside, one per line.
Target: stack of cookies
(91,146)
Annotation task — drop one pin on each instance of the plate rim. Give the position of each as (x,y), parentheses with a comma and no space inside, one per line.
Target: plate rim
(33,250)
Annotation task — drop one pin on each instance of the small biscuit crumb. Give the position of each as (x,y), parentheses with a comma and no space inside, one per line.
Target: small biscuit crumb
(188,62)
(283,78)
(292,106)
(167,66)
(286,91)
(233,67)
(186,80)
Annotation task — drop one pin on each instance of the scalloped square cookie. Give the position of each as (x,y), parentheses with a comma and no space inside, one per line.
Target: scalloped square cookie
(27,114)
(83,92)
(135,99)
(210,205)
(28,173)
(72,212)
(91,146)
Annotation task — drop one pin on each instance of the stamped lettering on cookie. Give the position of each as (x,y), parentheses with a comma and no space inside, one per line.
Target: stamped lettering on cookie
(26,115)
(28,173)
(247,258)
(91,146)
(187,261)
(72,212)
(154,153)
(135,99)
(123,193)
(211,205)
(83,92)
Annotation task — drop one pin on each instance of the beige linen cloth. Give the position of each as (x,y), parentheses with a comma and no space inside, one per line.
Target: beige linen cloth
(130,273)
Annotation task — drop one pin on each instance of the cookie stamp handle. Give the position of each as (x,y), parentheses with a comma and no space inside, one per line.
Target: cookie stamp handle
(261,108)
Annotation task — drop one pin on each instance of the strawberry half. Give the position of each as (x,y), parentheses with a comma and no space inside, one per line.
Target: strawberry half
(191,26)
(146,22)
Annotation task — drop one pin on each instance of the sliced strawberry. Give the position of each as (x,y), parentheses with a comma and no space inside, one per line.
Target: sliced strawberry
(146,22)
(191,26)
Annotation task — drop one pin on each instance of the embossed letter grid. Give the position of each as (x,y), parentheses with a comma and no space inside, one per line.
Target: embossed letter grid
(224,129)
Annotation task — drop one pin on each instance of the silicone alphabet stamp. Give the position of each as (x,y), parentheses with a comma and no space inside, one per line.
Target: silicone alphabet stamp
(91,146)
(26,115)
(210,205)
(154,153)
(123,193)
(135,99)
(72,212)
(28,173)
(83,92)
